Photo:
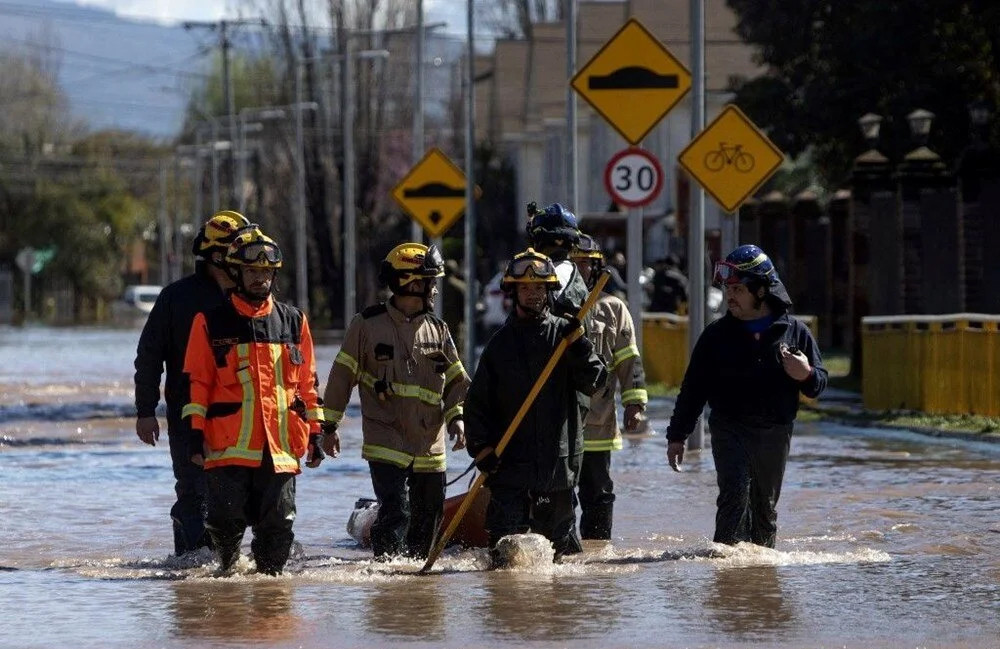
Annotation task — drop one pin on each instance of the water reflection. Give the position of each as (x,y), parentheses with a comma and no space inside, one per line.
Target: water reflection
(255,610)
(407,607)
(540,606)
(749,601)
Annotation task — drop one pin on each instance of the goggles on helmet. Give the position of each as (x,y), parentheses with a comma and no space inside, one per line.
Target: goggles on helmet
(730,273)
(533,266)
(263,253)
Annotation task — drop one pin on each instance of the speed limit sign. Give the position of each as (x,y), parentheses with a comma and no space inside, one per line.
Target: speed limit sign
(633,177)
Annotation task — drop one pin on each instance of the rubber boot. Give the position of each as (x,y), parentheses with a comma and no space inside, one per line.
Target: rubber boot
(595,522)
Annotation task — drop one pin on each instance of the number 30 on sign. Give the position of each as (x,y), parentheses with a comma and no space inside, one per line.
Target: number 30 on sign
(633,177)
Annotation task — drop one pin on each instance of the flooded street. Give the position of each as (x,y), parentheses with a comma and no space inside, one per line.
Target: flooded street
(884,540)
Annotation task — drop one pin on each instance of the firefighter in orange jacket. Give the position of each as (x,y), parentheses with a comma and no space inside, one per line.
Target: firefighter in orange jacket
(411,383)
(254,409)
(610,327)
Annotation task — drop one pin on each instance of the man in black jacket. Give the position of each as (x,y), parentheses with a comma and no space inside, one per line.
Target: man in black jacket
(750,367)
(164,340)
(531,483)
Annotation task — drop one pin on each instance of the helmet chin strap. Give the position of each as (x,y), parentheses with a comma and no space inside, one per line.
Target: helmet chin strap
(242,289)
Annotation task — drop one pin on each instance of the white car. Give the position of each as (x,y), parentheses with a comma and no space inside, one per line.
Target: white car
(135,303)
(494,306)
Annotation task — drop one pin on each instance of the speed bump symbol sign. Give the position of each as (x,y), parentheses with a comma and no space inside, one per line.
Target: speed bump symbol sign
(433,193)
(633,81)
(731,158)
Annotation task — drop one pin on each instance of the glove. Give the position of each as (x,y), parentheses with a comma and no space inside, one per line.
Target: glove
(196,446)
(572,328)
(298,406)
(487,461)
(315,454)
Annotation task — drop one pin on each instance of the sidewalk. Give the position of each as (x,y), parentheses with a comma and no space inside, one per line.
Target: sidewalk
(846,407)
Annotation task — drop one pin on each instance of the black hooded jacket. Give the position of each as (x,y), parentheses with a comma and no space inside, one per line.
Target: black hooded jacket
(545,450)
(740,376)
(164,339)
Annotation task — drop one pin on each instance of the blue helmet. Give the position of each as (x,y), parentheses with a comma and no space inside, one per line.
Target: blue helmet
(554,225)
(749,263)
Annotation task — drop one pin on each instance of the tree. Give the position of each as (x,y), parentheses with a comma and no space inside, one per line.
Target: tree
(830,61)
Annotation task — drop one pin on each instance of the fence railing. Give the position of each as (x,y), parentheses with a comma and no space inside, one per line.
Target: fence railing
(941,364)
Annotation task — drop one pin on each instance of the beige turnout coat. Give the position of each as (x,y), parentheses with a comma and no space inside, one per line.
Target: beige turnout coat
(411,383)
(610,328)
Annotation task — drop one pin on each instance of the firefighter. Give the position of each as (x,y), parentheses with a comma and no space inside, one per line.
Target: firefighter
(553,231)
(254,410)
(750,366)
(412,384)
(611,330)
(164,339)
(531,483)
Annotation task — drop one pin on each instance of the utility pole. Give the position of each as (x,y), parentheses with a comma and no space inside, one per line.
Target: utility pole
(225,45)
(416,232)
(572,171)
(470,197)
(696,224)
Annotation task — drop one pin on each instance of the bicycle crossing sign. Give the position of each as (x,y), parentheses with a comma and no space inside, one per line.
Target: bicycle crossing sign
(632,81)
(731,158)
(433,192)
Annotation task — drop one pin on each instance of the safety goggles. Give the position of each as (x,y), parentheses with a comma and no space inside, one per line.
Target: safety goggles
(259,253)
(727,273)
(540,268)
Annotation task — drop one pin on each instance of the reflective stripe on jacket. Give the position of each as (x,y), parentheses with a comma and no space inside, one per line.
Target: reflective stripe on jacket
(610,328)
(411,383)
(252,372)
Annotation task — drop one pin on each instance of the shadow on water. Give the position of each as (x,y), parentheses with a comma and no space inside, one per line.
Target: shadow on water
(407,609)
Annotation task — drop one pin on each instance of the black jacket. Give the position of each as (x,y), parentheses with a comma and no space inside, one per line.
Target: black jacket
(545,450)
(164,339)
(740,376)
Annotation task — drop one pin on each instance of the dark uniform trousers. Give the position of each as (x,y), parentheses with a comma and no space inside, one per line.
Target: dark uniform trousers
(410,509)
(518,510)
(188,513)
(750,465)
(597,495)
(240,496)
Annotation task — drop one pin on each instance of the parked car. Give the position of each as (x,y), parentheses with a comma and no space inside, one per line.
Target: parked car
(136,302)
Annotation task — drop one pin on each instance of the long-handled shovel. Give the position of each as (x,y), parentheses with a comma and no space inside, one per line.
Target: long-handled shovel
(502,444)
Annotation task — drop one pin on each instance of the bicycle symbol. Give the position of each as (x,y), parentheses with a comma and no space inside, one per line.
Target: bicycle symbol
(732,154)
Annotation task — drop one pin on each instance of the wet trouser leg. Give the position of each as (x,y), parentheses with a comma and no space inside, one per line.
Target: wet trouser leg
(271,513)
(389,529)
(228,493)
(553,515)
(188,512)
(426,511)
(750,466)
(596,495)
(508,512)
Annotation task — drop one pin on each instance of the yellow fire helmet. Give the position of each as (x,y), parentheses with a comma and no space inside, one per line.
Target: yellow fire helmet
(530,267)
(586,248)
(218,232)
(408,262)
(251,247)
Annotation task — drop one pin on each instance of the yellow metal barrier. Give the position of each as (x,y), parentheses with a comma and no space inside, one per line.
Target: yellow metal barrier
(936,364)
(665,346)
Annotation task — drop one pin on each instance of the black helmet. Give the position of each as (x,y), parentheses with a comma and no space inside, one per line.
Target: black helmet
(553,226)
(750,265)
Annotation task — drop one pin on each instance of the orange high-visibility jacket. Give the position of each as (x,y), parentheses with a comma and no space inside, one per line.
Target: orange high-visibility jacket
(248,366)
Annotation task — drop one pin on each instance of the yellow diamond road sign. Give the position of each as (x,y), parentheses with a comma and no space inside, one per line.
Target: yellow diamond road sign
(731,158)
(433,193)
(633,81)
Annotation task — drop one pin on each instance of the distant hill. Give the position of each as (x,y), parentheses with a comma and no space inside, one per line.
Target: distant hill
(117,73)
